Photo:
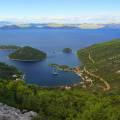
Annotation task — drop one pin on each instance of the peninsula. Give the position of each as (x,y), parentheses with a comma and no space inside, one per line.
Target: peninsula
(102,61)
(8,72)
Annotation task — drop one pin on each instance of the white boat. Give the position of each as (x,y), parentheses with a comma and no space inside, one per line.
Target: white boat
(55,71)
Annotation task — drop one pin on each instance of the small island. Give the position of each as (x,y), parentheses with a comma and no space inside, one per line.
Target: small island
(27,54)
(67,50)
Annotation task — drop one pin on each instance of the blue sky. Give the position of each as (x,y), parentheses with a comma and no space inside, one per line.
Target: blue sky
(60,10)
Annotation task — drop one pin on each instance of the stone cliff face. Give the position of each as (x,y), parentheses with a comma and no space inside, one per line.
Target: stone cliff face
(11,113)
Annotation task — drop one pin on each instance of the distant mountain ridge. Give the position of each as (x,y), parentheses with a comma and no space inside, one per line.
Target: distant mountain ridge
(9,25)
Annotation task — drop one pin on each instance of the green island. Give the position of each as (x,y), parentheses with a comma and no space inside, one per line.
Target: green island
(27,54)
(67,50)
(77,103)
(9,47)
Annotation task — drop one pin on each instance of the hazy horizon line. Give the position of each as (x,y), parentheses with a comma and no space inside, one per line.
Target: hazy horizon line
(64,20)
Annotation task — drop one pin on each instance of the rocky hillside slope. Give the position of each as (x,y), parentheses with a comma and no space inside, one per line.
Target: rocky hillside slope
(11,113)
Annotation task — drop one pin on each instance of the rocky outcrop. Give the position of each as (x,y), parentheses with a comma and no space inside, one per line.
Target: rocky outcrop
(11,113)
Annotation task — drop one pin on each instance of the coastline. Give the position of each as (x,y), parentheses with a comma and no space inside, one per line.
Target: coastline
(24,60)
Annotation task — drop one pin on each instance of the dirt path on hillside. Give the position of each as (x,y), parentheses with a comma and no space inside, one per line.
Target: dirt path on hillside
(91,59)
(107,85)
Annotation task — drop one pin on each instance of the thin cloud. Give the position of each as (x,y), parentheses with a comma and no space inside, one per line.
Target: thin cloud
(67,19)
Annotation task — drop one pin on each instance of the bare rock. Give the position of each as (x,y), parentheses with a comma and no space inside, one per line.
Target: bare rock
(11,113)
